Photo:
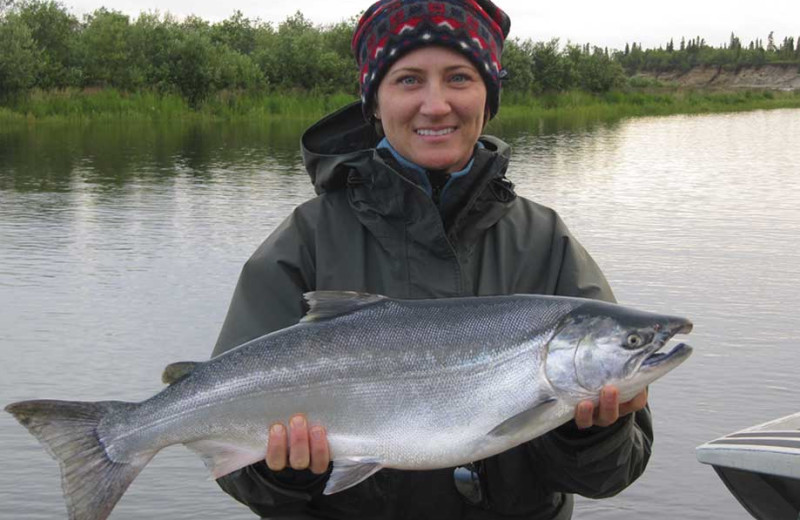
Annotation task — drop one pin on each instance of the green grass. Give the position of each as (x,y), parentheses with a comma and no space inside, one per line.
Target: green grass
(73,105)
(635,103)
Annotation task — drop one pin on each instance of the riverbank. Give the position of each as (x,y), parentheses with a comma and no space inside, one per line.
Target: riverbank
(650,99)
(771,76)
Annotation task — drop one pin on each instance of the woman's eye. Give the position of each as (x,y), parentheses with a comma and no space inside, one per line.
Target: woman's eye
(407,80)
(461,78)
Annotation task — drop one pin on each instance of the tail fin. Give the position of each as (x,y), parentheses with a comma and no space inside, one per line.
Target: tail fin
(91,481)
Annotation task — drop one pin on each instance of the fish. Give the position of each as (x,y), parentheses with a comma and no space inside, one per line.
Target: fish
(471,377)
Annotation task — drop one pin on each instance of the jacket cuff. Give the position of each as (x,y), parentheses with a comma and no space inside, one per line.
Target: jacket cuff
(593,444)
(297,484)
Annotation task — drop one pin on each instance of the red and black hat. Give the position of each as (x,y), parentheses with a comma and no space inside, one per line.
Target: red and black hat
(391,28)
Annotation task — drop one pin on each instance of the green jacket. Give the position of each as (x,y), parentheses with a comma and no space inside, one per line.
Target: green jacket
(373,228)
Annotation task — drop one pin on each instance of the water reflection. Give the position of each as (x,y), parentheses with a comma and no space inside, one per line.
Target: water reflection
(49,157)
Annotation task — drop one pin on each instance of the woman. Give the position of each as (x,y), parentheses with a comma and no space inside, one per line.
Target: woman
(413,203)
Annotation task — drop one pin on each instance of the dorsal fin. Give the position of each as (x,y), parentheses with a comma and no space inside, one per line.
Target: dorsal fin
(175,371)
(328,304)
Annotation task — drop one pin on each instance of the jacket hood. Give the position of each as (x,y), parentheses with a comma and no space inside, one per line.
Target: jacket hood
(337,143)
(334,144)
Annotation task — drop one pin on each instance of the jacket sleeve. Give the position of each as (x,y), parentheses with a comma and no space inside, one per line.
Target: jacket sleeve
(268,297)
(597,462)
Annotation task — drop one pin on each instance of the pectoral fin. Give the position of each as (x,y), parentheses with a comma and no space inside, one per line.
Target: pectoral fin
(349,472)
(524,420)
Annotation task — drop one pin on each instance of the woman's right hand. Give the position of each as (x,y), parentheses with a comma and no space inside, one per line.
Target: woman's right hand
(298,446)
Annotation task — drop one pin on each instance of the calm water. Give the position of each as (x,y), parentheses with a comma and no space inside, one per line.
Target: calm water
(120,247)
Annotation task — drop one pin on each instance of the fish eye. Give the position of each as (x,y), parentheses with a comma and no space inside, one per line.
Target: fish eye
(634,341)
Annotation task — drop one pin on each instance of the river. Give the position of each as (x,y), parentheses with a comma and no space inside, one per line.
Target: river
(120,246)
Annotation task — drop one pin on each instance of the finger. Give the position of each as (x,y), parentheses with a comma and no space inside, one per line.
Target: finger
(320,451)
(635,404)
(584,412)
(276,447)
(298,442)
(608,407)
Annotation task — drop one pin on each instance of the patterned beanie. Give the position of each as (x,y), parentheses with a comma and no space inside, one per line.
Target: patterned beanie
(392,28)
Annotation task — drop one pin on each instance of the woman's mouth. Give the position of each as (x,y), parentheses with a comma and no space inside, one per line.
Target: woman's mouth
(431,132)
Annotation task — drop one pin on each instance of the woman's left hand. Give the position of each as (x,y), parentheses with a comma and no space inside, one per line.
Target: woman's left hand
(609,409)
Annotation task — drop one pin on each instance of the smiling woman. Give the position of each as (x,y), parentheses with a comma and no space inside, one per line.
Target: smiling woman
(413,203)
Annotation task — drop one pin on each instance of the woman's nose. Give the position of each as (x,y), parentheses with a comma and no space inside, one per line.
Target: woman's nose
(435,102)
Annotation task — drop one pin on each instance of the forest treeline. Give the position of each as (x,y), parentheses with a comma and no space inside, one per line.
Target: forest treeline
(43,46)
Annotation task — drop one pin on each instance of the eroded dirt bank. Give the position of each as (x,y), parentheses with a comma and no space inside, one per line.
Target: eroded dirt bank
(772,77)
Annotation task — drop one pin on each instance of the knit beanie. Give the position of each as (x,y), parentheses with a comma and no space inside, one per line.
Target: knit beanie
(391,28)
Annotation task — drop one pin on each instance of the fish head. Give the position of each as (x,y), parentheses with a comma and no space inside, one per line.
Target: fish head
(600,343)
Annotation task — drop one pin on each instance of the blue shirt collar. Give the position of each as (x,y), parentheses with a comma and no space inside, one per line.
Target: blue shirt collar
(421,172)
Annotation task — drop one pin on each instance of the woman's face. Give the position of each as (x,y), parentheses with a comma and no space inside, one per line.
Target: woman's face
(432,105)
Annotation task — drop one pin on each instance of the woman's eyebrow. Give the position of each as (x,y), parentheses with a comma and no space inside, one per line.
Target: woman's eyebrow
(403,70)
(461,66)
(417,70)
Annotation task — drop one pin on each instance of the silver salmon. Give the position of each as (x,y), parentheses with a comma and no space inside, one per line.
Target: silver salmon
(473,377)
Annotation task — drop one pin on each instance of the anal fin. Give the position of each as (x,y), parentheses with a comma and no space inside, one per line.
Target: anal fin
(222,458)
(349,472)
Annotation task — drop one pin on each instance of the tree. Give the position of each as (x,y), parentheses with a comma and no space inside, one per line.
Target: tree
(735,42)
(597,73)
(299,55)
(237,32)
(517,61)
(151,40)
(55,32)
(191,65)
(105,46)
(18,56)
(551,72)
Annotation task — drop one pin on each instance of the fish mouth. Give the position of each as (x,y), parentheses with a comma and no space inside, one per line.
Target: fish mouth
(680,350)
(675,356)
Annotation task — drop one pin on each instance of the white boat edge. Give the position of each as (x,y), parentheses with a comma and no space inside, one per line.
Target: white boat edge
(771,448)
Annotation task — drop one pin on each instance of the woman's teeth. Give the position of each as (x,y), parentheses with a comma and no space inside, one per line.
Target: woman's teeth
(444,131)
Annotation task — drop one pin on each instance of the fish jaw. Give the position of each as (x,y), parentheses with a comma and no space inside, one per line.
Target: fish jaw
(653,367)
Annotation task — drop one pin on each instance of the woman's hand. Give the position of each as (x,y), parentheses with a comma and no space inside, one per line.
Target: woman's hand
(299,446)
(609,409)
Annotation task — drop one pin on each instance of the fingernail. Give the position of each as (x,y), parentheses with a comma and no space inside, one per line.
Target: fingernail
(298,421)
(277,429)
(317,432)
